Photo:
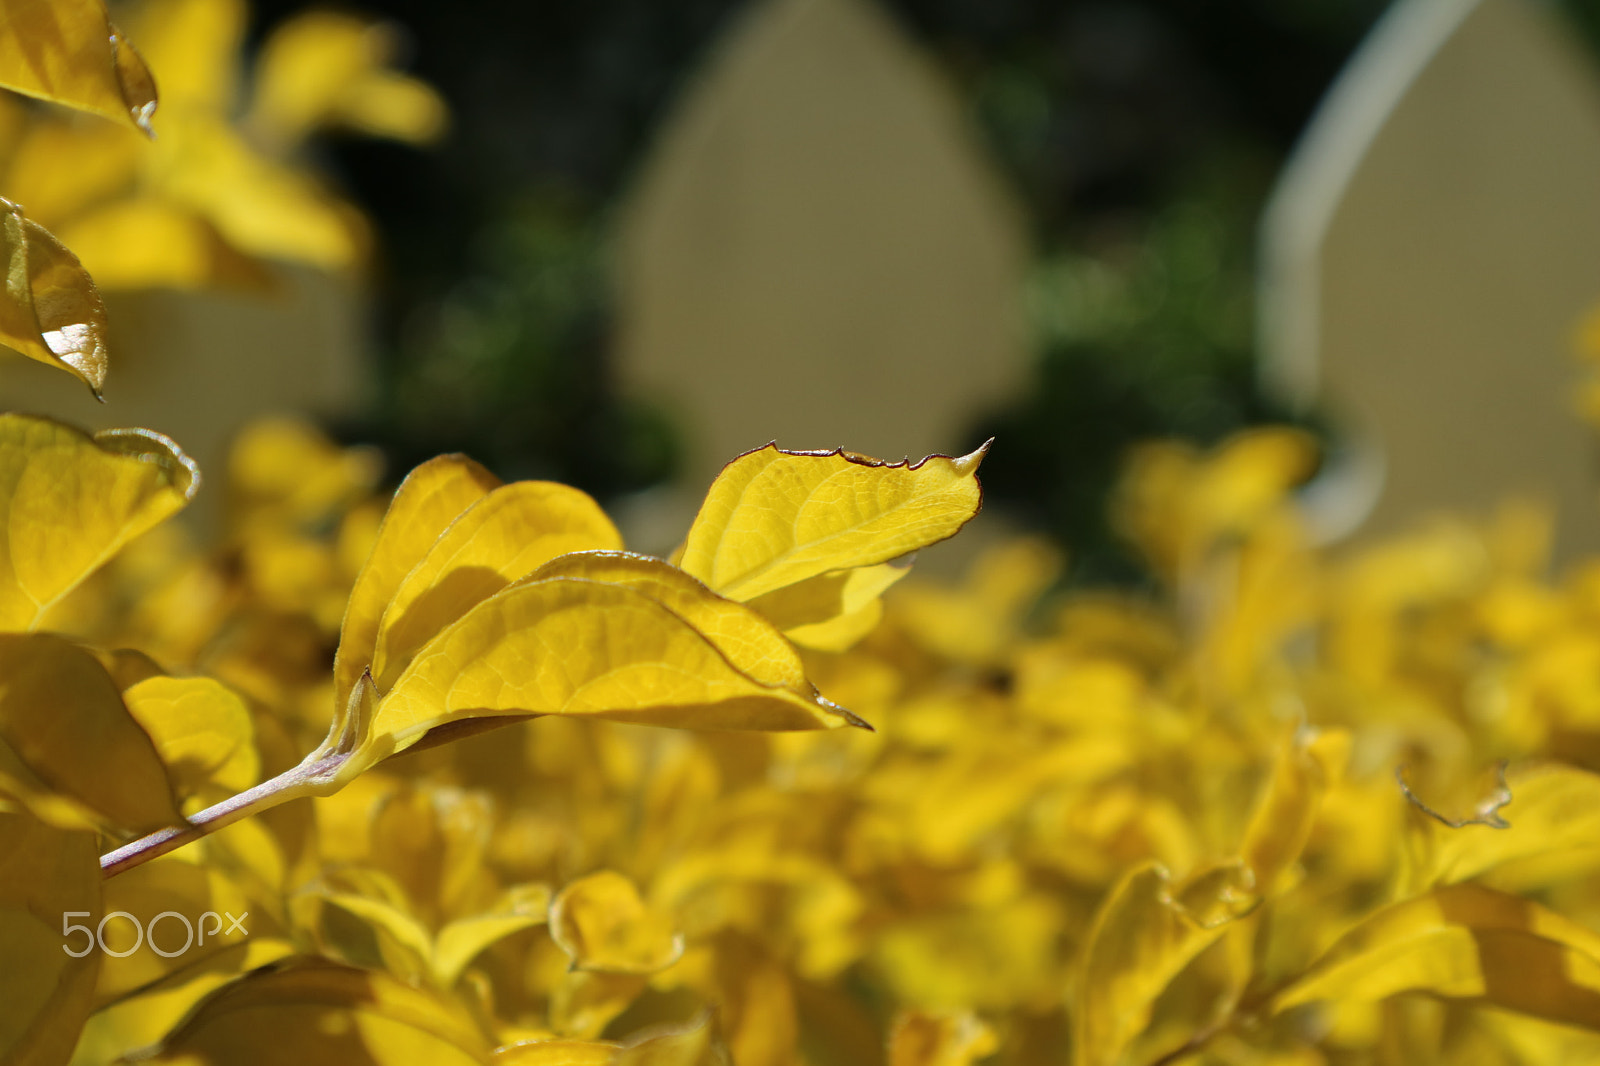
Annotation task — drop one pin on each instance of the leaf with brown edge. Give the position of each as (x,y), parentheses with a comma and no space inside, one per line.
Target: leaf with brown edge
(430,498)
(568,645)
(52,311)
(68,52)
(312,1011)
(69,749)
(45,993)
(773,518)
(1463,942)
(501,537)
(106,489)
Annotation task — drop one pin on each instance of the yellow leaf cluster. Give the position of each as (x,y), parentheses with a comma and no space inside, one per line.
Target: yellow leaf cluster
(402,917)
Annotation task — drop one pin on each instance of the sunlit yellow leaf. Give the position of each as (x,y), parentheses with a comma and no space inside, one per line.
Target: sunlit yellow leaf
(51,310)
(285,470)
(49,879)
(773,518)
(920,1038)
(428,500)
(301,1010)
(1145,934)
(1464,942)
(195,45)
(327,69)
(203,732)
(106,489)
(627,652)
(506,535)
(69,52)
(602,924)
(68,747)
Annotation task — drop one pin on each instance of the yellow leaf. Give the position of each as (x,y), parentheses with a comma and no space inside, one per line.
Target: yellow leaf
(195,45)
(572,646)
(465,938)
(1146,933)
(506,535)
(1463,942)
(306,1010)
(326,69)
(51,310)
(106,490)
(922,1038)
(773,518)
(556,1053)
(141,1020)
(693,1044)
(1286,812)
(603,925)
(203,731)
(68,747)
(1554,816)
(173,885)
(69,52)
(427,501)
(831,611)
(49,879)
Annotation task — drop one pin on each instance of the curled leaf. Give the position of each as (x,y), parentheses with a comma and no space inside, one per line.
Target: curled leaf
(773,518)
(52,311)
(1145,934)
(603,925)
(107,489)
(67,51)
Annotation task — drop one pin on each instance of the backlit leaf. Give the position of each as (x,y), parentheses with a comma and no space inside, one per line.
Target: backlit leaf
(427,501)
(773,518)
(51,310)
(107,489)
(45,993)
(1464,942)
(69,749)
(602,924)
(635,653)
(506,535)
(311,1011)
(69,52)
(202,730)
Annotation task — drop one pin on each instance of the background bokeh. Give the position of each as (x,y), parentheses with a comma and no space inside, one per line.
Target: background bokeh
(1140,139)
